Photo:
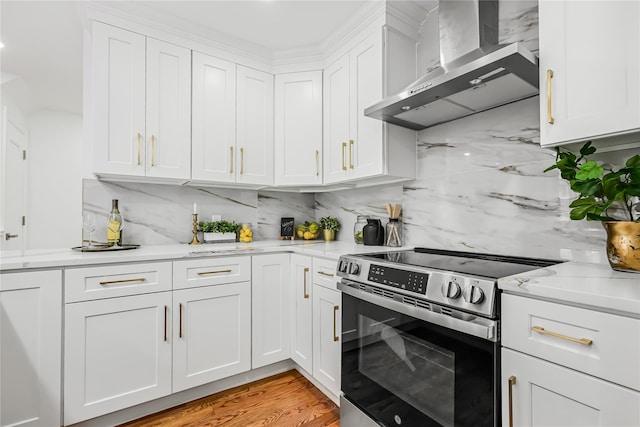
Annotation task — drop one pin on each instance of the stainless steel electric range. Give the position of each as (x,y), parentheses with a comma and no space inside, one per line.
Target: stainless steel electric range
(421,337)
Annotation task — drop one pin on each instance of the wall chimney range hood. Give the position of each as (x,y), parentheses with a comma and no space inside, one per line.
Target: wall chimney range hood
(476,73)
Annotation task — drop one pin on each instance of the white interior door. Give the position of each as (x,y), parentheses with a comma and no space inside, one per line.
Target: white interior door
(13,163)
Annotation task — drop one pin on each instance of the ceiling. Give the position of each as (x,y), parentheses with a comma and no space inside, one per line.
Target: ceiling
(41,62)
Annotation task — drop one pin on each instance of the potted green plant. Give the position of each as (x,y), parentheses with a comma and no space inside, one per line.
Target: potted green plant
(219,231)
(329,227)
(606,195)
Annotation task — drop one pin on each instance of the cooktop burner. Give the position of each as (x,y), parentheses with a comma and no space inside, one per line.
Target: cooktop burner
(483,265)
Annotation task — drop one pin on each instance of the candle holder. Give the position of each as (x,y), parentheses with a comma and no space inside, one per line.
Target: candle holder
(195,240)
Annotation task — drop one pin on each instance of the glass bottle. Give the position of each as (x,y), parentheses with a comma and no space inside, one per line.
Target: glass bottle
(114,225)
(394,232)
(361,221)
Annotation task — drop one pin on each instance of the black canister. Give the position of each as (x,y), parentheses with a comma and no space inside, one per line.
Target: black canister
(373,233)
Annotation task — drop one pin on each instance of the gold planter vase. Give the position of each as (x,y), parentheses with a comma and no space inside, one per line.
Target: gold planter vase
(329,235)
(623,245)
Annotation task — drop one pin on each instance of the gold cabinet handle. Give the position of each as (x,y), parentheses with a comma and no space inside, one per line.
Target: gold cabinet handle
(351,153)
(231,160)
(153,150)
(335,335)
(344,148)
(512,382)
(165,322)
(583,341)
(549,115)
(317,163)
(241,161)
(325,274)
(112,282)
(202,273)
(304,281)
(139,148)
(180,325)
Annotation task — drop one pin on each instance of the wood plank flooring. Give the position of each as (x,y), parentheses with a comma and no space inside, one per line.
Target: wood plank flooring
(287,399)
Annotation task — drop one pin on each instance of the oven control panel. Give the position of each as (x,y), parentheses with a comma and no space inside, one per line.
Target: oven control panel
(408,280)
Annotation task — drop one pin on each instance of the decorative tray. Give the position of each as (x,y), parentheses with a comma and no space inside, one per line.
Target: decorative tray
(104,248)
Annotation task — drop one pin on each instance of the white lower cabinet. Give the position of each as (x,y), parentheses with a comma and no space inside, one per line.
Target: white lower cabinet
(326,337)
(546,394)
(211,333)
(117,354)
(30,348)
(301,312)
(270,321)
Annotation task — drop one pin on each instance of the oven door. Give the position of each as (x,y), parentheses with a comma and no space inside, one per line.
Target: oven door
(401,370)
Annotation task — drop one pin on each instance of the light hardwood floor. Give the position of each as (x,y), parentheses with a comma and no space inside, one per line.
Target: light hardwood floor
(286,399)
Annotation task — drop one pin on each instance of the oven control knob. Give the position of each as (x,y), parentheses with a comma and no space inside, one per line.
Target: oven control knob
(451,290)
(354,268)
(473,294)
(343,266)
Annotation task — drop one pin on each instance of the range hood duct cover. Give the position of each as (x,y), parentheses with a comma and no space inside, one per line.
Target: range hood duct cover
(475,73)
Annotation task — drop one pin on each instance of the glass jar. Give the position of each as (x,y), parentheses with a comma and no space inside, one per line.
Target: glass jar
(361,221)
(394,232)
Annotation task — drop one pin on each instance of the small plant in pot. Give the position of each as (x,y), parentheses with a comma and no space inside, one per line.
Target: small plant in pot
(606,195)
(219,231)
(329,227)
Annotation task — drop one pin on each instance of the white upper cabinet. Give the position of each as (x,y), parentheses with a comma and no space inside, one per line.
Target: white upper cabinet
(141,105)
(589,71)
(298,128)
(214,118)
(357,146)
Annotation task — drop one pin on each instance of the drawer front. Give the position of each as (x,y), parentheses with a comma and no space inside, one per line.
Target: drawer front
(604,345)
(211,271)
(91,283)
(324,273)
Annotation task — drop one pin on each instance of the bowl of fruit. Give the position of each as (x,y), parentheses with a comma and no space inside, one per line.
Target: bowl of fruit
(308,230)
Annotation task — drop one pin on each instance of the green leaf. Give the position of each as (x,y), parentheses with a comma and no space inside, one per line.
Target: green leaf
(587,188)
(587,149)
(633,162)
(596,217)
(609,183)
(552,167)
(589,170)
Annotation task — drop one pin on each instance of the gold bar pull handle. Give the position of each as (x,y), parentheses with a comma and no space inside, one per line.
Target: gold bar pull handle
(113,282)
(139,136)
(541,330)
(351,153)
(512,382)
(165,322)
(325,274)
(231,160)
(180,325)
(549,115)
(335,335)
(202,273)
(241,160)
(153,150)
(304,281)
(344,148)
(317,163)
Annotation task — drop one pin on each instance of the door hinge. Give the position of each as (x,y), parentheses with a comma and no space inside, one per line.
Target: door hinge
(24,220)
(24,154)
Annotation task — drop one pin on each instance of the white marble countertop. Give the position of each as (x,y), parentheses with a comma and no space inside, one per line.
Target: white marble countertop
(590,285)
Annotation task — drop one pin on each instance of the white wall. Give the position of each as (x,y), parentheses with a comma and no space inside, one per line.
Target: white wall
(54,180)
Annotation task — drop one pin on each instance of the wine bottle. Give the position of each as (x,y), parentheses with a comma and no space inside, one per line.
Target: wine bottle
(114,223)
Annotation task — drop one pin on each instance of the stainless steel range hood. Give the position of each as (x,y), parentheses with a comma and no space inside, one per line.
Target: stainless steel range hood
(476,73)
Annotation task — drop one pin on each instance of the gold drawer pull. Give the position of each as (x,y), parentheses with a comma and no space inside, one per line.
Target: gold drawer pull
(153,150)
(317,163)
(138,148)
(549,115)
(335,335)
(344,149)
(325,274)
(583,341)
(231,159)
(111,282)
(304,274)
(202,273)
(512,382)
(351,153)
(241,161)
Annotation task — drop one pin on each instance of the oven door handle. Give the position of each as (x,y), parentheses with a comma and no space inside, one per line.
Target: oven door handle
(478,327)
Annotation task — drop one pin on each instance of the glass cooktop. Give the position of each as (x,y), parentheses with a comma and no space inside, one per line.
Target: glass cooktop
(484,265)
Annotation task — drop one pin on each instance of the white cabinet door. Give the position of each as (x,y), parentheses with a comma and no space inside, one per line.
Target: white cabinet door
(168,110)
(336,110)
(594,89)
(545,394)
(301,312)
(213,118)
(118,96)
(326,337)
(117,354)
(30,348)
(298,128)
(270,309)
(211,333)
(254,144)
